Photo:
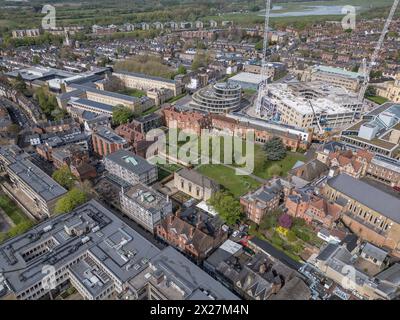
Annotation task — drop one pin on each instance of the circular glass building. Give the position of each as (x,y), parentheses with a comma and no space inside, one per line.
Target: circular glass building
(219,98)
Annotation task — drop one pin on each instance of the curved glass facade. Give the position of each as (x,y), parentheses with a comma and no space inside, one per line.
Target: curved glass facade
(219,98)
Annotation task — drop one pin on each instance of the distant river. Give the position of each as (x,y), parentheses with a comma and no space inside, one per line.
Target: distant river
(307,11)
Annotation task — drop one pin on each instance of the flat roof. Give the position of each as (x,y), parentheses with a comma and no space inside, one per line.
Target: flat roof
(247,77)
(146,197)
(36,179)
(130,161)
(109,135)
(121,250)
(326,98)
(373,198)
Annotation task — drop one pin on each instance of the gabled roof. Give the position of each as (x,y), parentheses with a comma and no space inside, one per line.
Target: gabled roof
(371,197)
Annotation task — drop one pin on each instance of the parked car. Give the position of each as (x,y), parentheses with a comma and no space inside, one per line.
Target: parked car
(235,233)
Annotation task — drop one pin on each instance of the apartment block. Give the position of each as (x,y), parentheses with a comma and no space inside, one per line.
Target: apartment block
(130,167)
(144,205)
(28,185)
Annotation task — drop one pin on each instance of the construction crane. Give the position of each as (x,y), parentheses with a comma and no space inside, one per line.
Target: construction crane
(262,90)
(375,54)
(321,131)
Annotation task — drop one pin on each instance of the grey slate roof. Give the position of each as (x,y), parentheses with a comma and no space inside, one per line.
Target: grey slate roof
(144,76)
(277,254)
(176,266)
(120,157)
(373,198)
(85,88)
(94,104)
(374,252)
(197,178)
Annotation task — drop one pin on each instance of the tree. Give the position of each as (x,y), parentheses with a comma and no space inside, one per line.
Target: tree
(20,84)
(291,236)
(200,60)
(48,104)
(122,114)
(35,59)
(114,84)
(182,69)
(275,170)
(275,149)
(227,207)
(70,201)
(64,177)
(370,92)
(285,221)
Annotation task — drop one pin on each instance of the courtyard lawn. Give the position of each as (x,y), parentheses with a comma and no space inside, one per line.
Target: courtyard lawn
(132,92)
(377,99)
(262,164)
(225,176)
(21,221)
(150,111)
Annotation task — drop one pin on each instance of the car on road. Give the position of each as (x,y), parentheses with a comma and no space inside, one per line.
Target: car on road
(235,233)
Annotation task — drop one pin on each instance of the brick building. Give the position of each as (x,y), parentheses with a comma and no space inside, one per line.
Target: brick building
(267,198)
(192,232)
(312,208)
(370,213)
(106,141)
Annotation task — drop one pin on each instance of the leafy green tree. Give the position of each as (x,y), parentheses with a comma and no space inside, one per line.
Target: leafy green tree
(275,149)
(64,177)
(182,69)
(122,114)
(200,60)
(20,84)
(48,104)
(227,207)
(74,198)
(36,59)
(291,236)
(275,170)
(371,91)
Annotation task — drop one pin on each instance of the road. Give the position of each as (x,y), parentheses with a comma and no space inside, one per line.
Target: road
(16,113)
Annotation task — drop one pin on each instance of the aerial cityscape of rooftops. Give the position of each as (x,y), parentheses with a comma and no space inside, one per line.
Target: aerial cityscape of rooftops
(200,150)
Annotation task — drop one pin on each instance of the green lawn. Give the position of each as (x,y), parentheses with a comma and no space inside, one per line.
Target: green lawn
(237,185)
(261,164)
(378,99)
(132,92)
(151,110)
(21,221)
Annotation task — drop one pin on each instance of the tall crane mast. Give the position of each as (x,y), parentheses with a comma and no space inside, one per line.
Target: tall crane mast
(264,67)
(375,54)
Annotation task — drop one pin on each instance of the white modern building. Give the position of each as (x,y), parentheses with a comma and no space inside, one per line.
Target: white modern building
(312,104)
